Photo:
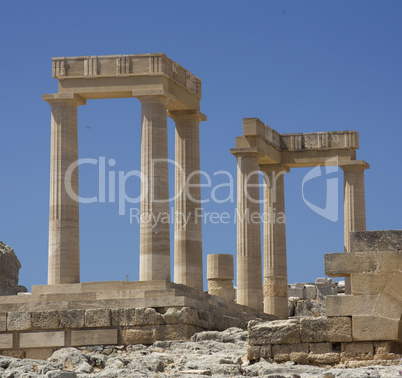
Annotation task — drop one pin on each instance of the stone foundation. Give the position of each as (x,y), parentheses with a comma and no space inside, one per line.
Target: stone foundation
(318,341)
(111,313)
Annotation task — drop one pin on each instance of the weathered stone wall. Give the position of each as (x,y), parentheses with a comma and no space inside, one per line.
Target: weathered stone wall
(9,271)
(320,341)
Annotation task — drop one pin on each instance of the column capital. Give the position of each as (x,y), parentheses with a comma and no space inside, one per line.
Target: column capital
(245,152)
(274,168)
(353,165)
(149,97)
(64,97)
(179,115)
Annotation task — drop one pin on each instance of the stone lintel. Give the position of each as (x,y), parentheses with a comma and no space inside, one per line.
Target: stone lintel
(387,240)
(238,152)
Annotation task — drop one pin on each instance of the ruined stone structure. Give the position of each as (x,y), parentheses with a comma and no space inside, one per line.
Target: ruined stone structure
(9,271)
(364,325)
(262,148)
(69,313)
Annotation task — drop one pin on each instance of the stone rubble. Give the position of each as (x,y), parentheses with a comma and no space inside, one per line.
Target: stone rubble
(211,353)
(9,271)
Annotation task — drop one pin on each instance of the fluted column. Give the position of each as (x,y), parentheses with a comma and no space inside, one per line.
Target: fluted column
(188,226)
(154,227)
(249,276)
(354,205)
(64,243)
(274,226)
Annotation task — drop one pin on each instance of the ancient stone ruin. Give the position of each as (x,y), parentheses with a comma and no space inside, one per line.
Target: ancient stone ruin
(365,322)
(9,271)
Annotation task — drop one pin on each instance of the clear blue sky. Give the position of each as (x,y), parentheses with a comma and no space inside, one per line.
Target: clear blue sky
(318,66)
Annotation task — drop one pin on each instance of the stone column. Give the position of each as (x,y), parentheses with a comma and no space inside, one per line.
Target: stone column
(249,276)
(64,243)
(354,203)
(275,265)
(188,225)
(154,228)
(220,274)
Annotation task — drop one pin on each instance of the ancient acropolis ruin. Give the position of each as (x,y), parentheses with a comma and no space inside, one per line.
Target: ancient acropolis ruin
(67,312)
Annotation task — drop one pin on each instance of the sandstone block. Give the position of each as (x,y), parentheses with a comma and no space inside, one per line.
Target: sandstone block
(72,318)
(6,340)
(323,359)
(136,317)
(184,315)
(42,339)
(275,332)
(97,317)
(45,320)
(18,321)
(94,337)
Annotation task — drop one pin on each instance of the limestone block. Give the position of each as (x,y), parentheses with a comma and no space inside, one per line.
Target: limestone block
(343,264)
(368,283)
(216,321)
(309,308)
(324,282)
(369,327)
(72,318)
(39,353)
(389,261)
(323,292)
(357,351)
(3,322)
(143,335)
(18,321)
(388,240)
(275,332)
(321,329)
(290,348)
(281,357)
(9,266)
(15,353)
(300,358)
(136,317)
(42,339)
(6,340)
(253,352)
(220,266)
(229,322)
(384,347)
(265,351)
(348,305)
(45,320)
(184,315)
(180,332)
(97,317)
(296,292)
(320,348)
(311,292)
(221,288)
(323,359)
(94,337)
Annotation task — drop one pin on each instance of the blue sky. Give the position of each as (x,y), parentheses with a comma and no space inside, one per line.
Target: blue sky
(318,66)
